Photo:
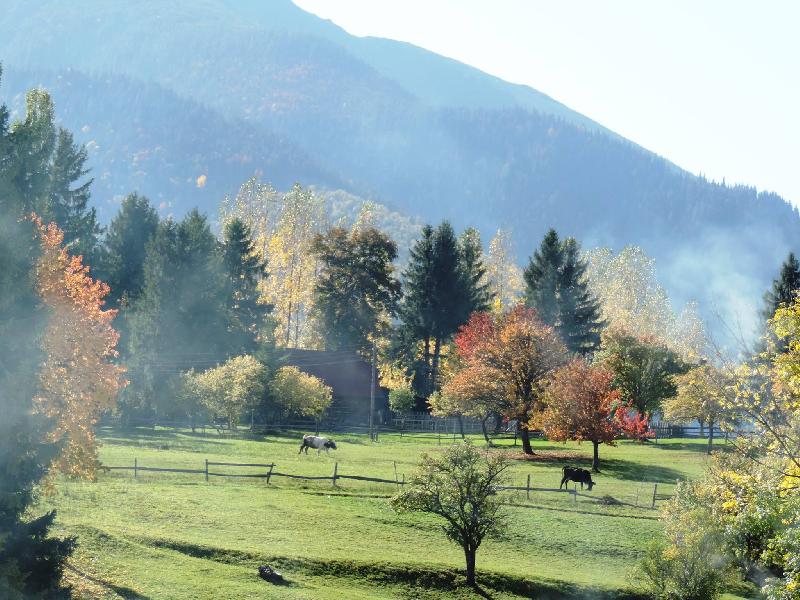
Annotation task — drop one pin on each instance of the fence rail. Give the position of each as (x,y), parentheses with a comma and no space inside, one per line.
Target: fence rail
(335,476)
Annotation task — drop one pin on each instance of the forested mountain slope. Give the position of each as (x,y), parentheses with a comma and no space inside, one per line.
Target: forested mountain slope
(164,93)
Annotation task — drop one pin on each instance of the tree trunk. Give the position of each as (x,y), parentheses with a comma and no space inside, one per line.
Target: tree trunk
(596,457)
(289,324)
(426,358)
(702,432)
(461,427)
(437,351)
(498,423)
(469,555)
(485,432)
(526,440)
(710,436)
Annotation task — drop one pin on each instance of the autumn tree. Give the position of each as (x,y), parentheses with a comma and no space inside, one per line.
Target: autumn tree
(502,272)
(582,405)
(460,487)
(632,300)
(78,379)
(643,369)
(299,393)
(520,351)
(356,293)
(703,393)
(475,391)
(293,267)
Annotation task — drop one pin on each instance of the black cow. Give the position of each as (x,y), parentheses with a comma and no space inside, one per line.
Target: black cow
(577,475)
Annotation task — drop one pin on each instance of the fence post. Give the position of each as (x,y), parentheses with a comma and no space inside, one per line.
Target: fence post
(574,492)
(135,468)
(404,480)
(335,472)
(269,473)
(655,489)
(395,475)
(528,486)
(206,469)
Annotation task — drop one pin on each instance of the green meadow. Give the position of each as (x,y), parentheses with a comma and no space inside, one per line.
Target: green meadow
(167,535)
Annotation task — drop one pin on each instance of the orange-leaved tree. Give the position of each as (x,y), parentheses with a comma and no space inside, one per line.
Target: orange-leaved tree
(582,405)
(78,380)
(521,350)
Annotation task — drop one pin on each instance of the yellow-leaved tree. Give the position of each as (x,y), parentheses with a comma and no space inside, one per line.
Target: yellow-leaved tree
(283,227)
(300,394)
(503,272)
(78,379)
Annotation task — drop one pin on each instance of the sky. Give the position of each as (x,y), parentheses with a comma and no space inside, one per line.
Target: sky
(714,86)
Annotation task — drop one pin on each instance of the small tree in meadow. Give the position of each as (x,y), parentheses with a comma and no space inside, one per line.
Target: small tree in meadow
(299,393)
(460,486)
(583,406)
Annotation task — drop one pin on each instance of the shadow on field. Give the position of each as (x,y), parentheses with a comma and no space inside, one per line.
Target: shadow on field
(701,447)
(120,590)
(409,576)
(633,471)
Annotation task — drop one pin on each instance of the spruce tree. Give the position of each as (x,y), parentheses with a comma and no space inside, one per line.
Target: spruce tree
(579,321)
(784,288)
(478,297)
(441,291)
(243,270)
(542,277)
(125,248)
(557,288)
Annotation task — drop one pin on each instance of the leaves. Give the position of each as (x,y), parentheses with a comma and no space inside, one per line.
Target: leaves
(78,380)
(299,393)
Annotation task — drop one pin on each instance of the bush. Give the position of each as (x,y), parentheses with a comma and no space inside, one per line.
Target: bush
(402,400)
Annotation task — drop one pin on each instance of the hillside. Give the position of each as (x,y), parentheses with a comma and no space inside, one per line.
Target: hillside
(231,89)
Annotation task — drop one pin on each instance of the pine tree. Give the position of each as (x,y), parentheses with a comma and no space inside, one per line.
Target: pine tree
(542,278)
(31,563)
(478,297)
(579,322)
(69,206)
(125,248)
(244,269)
(441,292)
(784,288)
(557,287)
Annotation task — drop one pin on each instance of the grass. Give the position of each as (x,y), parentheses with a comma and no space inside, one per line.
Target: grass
(177,536)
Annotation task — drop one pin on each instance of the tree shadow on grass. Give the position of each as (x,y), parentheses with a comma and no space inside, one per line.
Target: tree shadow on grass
(633,471)
(122,591)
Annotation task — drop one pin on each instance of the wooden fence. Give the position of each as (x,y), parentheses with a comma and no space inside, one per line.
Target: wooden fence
(269,472)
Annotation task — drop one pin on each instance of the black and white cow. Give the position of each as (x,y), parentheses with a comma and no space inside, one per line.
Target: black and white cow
(577,475)
(318,443)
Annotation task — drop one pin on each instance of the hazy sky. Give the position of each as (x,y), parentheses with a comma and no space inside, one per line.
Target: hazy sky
(713,86)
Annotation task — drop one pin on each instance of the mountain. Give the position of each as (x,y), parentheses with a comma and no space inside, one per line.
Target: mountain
(166,92)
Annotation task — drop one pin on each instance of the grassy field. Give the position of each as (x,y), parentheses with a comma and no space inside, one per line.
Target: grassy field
(177,536)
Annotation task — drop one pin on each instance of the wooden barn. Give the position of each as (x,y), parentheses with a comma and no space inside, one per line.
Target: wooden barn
(349,375)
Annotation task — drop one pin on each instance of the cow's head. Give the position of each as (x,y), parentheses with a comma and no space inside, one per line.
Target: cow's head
(590,483)
(330,444)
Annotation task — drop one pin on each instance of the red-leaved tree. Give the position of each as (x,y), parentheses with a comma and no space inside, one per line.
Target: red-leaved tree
(583,406)
(520,351)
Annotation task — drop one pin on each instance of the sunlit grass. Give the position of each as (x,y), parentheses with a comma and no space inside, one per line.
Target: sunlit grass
(178,536)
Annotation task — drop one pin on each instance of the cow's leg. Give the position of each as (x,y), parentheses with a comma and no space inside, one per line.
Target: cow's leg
(563,481)
(303,445)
